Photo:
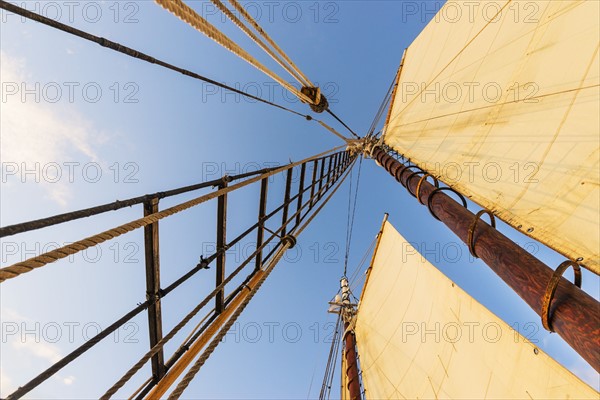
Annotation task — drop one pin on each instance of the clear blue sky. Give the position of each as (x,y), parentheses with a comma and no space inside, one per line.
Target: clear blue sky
(151,129)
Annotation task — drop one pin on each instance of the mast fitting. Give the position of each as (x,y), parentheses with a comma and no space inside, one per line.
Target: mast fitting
(319,102)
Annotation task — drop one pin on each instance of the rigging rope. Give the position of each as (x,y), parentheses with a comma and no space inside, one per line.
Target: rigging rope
(353,281)
(137,366)
(258,28)
(189,376)
(351,217)
(343,123)
(152,60)
(382,107)
(221,6)
(393,96)
(184,383)
(330,129)
(188,15)
(348,226)
(331,361)
(28,265)
(144,57)
(130,52)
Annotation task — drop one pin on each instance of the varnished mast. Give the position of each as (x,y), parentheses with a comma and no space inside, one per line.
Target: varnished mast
(573,312)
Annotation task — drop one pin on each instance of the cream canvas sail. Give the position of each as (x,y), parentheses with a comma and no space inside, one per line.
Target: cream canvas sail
(419,336)
(500,99)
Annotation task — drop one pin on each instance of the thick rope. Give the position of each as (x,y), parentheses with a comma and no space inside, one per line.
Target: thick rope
(137,366)
(221,6)
(188,15)
(217,339)
(264,34)
(253,290)
(116,205)
(129,51)
(30,264)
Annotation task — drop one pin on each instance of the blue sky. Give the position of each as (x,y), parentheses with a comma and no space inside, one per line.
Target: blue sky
(128,128)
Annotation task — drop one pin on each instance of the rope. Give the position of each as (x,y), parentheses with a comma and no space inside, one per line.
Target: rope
(158,346)
(330,129)
(252,21)
(342,122)
(17,269)
(137,366)
(188,15)
(141,56)
(140,388)
(335,359)
(353,280)
(351,222)
(389,114)
(332,359)
(22,390)
(258,41)
(130,52)
(348,226)
(382,107)
(117,205)
(217,339)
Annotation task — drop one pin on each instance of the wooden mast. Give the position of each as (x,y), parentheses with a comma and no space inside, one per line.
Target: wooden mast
(348,313)
(574,313)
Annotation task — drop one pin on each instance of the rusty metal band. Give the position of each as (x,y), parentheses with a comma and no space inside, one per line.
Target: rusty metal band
(423,178)
(551,289)
(409,178)
(470,241)
(435,191)
(404,170)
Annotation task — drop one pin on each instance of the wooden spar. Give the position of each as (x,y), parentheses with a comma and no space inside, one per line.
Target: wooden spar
(221,245)
(152,261)
(351,363)
(348,313)
(574,313)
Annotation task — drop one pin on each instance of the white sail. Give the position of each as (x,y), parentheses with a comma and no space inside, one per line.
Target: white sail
(500,100)
(419,336)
